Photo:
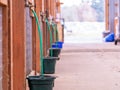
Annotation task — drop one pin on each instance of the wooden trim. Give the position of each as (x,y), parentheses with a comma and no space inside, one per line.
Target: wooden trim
(11,43)
(34,43)
(6,58)
(44,39)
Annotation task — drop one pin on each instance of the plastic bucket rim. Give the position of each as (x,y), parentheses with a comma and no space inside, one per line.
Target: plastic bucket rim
(54,48)
(40,78)
(51,58)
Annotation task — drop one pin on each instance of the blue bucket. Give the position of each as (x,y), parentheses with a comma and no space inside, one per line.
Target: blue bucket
(109,38)
(56,45)
(59,43)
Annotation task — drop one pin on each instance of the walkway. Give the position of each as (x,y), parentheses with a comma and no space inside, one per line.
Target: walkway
(89,67)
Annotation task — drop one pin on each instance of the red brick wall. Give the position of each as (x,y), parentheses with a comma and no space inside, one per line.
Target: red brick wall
(0,48)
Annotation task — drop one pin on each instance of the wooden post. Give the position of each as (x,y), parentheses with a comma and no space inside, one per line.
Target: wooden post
(44,30)
(6,54)
(46,33)
(107,14)
(17,28)
(37,44)
(34,44)
(39,9)
(116,18)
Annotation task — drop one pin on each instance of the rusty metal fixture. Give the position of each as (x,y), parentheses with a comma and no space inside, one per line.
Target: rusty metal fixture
(31,5)
(27,4)
(58,4)
(43,16)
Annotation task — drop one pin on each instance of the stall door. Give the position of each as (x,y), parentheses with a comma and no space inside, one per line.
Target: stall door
(28,41)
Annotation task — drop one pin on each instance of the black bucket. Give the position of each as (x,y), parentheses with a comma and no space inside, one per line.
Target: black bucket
(54,52)
(49,65)
(41,82)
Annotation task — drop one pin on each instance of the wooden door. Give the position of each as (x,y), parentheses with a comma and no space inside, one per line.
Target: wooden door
(29,53)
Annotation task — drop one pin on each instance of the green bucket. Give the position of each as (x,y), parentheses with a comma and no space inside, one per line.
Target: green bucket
(49,64)
(41,82)
(55,52)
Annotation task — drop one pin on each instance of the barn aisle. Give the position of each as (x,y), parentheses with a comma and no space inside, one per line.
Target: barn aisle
(88,67)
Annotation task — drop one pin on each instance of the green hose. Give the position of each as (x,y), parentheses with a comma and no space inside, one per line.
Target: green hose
(48,28)
(57,38)
(40,38)
(54,26)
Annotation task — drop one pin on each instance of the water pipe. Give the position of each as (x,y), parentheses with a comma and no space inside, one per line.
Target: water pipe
(48,28)
(40,38)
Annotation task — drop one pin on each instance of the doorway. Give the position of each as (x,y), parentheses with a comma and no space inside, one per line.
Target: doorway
(84,21)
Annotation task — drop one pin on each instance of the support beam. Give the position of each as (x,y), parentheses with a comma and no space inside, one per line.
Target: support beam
(37,2)
(43,27)
(107,14)
(39,8)
(17,45)
(46,34)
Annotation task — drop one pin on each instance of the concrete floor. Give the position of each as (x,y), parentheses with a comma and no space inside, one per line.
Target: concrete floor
(88,67)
